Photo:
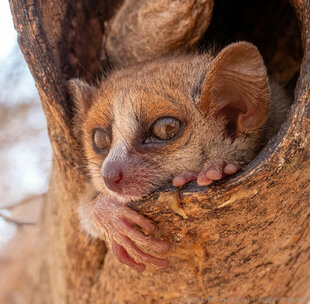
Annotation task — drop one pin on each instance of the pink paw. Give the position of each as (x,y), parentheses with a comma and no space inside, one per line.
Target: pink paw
(127,244)
(211,171)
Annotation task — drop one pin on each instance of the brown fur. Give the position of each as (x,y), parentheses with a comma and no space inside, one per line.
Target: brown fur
(208,95)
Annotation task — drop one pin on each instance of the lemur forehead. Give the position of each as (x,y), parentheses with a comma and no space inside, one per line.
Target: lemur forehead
(145,105)
(155,89)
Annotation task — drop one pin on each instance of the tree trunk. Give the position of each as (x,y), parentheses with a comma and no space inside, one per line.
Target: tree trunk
(248,236)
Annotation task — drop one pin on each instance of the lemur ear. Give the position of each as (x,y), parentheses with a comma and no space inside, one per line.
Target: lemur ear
(236,88)
(81,93)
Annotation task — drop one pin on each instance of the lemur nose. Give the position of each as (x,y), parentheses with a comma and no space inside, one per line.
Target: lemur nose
(114,181)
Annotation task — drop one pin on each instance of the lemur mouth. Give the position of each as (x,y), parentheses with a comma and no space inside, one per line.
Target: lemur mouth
(130,192)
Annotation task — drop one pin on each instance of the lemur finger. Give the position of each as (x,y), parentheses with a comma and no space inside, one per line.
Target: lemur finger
(122,255)
(231,168)
(142,240)
(136,218)
(202,180)
(138,255)
(214,170)
(182,179)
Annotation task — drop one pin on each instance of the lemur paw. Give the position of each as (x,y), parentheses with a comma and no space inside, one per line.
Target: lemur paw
(127,244)
(211,171)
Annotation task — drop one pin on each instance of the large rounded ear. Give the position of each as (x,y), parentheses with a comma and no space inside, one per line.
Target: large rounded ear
(236,88)
(82,94)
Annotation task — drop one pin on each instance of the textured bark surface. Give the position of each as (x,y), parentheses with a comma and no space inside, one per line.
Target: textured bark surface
(246,236)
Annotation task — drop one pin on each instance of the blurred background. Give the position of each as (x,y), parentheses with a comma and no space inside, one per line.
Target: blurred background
(25,152)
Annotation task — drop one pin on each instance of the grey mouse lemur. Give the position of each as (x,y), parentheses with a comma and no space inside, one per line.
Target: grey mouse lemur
(179,119)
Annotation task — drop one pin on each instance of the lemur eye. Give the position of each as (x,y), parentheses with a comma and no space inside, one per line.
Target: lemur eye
(101,140)
(165,128)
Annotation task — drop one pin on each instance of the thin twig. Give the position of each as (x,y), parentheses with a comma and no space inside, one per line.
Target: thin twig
(23,202)
(15,221)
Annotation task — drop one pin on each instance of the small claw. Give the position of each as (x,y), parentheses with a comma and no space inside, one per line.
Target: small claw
(122,255)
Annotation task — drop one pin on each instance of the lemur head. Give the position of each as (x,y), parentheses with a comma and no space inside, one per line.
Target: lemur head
(147,123)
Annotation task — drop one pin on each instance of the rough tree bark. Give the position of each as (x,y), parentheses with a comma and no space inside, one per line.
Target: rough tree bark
(248,236)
